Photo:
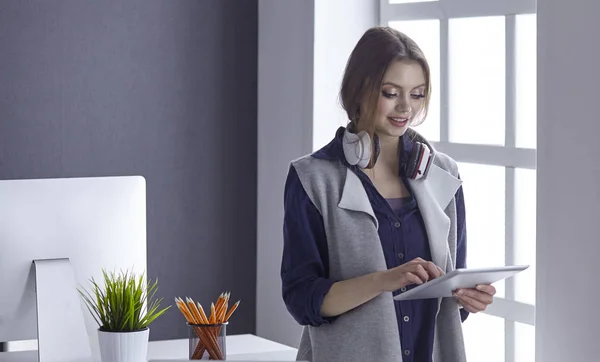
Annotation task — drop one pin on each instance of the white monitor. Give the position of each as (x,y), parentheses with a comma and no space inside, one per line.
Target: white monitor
(76,227)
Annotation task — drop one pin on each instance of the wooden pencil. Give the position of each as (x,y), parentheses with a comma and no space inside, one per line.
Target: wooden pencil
(233,308)
(212,313)
(204,318)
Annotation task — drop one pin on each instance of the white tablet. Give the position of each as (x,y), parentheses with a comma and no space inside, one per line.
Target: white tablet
(460,278)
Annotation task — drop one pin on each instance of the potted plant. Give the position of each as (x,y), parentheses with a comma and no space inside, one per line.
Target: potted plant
(123,307)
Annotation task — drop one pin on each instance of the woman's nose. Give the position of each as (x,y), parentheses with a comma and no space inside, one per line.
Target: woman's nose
(403,105)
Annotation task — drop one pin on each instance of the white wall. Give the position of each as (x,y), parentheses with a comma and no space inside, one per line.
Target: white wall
(339,24)
(568,242)
(302,49)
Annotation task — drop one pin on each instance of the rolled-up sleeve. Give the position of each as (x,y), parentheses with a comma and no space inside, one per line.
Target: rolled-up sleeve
(461,238)
(304,265)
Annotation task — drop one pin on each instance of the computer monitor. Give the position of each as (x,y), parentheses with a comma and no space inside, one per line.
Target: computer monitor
(73,228)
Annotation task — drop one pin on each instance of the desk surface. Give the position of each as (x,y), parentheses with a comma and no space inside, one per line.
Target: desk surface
(239,347)
(242,347)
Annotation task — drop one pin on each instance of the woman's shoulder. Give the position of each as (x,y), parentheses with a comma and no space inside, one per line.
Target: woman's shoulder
(446,162)
(312,164)
(318,175)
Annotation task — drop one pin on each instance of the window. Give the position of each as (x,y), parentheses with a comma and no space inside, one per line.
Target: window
(483,59)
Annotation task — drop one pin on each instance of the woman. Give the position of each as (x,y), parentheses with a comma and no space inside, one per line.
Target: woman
(373,213)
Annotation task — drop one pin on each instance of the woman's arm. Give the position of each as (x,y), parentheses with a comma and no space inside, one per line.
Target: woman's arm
(305,261)
(349,294)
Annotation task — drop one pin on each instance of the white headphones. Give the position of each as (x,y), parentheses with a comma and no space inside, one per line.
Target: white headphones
(357,150)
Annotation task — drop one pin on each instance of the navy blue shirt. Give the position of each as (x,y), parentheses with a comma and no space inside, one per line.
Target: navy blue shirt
(305,261)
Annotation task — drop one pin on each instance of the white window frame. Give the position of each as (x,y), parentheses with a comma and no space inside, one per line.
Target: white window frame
(509,155)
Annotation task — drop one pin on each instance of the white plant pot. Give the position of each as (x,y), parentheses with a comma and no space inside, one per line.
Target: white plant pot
(123,346)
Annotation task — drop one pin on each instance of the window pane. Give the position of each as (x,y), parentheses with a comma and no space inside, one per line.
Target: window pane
(484,190)
(526,96)
(524,342)
(477,80)
(426,33)
(525,234)
(484,338)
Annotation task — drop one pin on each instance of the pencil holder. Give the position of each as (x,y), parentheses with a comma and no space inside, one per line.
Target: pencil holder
(207,341)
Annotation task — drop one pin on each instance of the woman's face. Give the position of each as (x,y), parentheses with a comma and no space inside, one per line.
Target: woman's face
(401,98)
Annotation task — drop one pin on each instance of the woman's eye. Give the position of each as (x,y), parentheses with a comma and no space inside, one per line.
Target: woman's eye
(417,96)
(389,95)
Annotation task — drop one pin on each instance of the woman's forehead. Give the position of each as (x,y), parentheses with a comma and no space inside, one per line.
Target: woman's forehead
(404,74)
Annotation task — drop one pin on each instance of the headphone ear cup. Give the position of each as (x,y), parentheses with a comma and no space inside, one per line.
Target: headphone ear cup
(412,166)
(365,149)
(357,148)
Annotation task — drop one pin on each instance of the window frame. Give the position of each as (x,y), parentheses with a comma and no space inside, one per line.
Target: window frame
(446,9)
(508,156)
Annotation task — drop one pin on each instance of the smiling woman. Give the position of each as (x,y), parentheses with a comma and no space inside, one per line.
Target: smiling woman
(373,213)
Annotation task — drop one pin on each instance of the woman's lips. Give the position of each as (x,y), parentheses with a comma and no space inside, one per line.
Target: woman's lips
(398,121)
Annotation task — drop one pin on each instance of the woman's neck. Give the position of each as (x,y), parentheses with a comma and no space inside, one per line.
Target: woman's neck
(388,154)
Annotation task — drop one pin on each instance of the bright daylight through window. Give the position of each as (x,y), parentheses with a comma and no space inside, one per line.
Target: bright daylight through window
(483,113)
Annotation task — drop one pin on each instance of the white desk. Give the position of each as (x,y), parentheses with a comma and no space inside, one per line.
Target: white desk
(239,347)
(243,347)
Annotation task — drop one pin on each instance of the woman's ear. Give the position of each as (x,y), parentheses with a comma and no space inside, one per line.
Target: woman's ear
(356,115)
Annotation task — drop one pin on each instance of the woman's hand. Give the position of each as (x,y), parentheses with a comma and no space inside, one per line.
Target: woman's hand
(477,299)
(348,294)
(416,271)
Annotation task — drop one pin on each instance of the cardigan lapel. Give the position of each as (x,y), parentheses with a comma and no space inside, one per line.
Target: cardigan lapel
(355,198)
(433,194)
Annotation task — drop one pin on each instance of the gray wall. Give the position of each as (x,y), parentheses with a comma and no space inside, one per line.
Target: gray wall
(568,169)
(285,91)
(161,88)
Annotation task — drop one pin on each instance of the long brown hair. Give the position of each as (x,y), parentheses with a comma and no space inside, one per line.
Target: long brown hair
(366,66)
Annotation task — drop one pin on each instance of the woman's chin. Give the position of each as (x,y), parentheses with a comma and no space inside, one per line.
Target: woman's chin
(392,131)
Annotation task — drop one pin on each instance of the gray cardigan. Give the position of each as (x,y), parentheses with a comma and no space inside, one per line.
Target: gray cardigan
(370,332)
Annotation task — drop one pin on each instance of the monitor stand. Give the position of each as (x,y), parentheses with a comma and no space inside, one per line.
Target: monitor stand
(62,335)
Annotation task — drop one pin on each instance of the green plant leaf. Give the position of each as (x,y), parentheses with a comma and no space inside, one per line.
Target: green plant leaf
(125,303)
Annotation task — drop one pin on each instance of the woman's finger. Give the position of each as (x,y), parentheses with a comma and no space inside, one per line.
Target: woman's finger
(482,297)
(413,279)
(467,306)
(432,270)
(470,304)
(441,271)
(420,271)
(486,288)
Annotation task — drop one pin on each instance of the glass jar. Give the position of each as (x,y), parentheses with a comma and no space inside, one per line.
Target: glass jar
(207,341)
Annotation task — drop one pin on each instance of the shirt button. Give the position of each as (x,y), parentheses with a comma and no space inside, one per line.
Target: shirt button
(407,352)
(400,256)
(403,289)
(397,224)
(406,318)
